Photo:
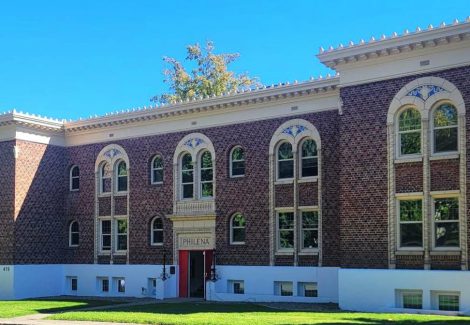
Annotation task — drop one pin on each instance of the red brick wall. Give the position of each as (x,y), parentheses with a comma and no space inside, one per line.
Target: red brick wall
(445,175)
(308,194)
(7,205)
(409,177)
(284,194)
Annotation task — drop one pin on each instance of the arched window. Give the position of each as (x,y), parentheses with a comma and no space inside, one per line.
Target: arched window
(187,176)
(237,229)
(206,175)
(237,162)
(445,123)
(409,132)
(157,170)
(121,176)
(285,161)
(309,159)
(157,231)
(105,178)
(74,234)
(74,178)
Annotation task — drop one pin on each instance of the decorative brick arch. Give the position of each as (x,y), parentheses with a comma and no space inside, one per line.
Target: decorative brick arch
(193,143)
(111,154)
(294,131)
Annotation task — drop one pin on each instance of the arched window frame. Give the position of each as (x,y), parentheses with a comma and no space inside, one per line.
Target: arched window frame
(201,170)
(400,133)
(433,128)
(239,161)
(182,184)
(232,228)
(117,177)
(302,158)
(73,232)
(154,170)
(74,184)
(153,242)
(278,161)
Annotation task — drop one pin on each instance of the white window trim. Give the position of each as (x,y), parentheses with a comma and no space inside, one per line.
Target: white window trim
(278,242)
(232,228)
(152,169)
(200,169)
(231,286)
(409,197)
(444,195)
(116,285)
(443,153)
(152,229)
(301,230)
(232,161)
(301,288)
(115,227)
(398,133)
(400,293)
(71,178)
(70,234)
(116,177)
(301,161)
(284,180)
(435,299)
(278,290)
(182,198)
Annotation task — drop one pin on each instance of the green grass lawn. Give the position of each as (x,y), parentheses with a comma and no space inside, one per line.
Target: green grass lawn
(220,314)
(18,308)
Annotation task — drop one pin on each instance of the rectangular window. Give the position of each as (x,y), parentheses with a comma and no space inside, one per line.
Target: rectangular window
(449,302)
(73,284)
(309,229)
(105,285)
(121,235)
(105,235)
(411,223)
(285,230)
(120,285)
(283,288)
(412,300)
(308,289)
(446,222)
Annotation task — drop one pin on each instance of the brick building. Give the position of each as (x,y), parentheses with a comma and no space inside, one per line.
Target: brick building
(349,189)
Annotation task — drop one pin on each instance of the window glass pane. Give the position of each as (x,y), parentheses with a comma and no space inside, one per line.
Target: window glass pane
(238,154)
(447,234)
(309,148)
(411,235)
(187,176)
(187,162)
(106,170)
(105,285)
(286,220)
(446,209)
(74,284)
(449,302)
(310,290)
(410,119)
(285,151)
(239,287)
(445,139)
(158,176)
(158,223)
(410,143)
(445,115)
(121,285)
(206,160)
(106,185)
(411,210)
(207,189)
(106,227)
(310,238)
(122,226)
(310,219)
(238,235)
(206,175)
(412,301)
(75,183)
(122,169)
(286,288)
(188,191)
(309,167)
(158,236)
(75,172)
(122,183)
(286,238)
(106,242)
(158,162)
(286,169)
(74,226)
(238,220)
(75,239)
(238,168)
(122,242)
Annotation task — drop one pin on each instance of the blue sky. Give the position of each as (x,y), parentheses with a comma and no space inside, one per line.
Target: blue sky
(70,59)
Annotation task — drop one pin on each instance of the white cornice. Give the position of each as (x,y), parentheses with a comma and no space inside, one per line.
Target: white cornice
(31,121)
(395,44)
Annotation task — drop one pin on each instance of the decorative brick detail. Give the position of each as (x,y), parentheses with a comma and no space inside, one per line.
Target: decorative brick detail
(308,194)
(410,262)
(120,205)
(445,175)
(409,177)
(441,262)
(308,260)
(284,194)
(104,204)
(284,260)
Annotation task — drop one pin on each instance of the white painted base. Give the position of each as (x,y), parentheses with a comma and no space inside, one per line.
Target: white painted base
(376,290)
(259,282)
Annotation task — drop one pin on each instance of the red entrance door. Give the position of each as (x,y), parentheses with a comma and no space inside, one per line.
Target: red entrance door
(185,271)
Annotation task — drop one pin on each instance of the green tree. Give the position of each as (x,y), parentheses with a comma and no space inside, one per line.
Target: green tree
(210,77)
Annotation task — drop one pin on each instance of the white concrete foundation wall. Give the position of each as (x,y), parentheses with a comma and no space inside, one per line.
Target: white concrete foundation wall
(376,290)
(32,281)
(6,282)
(259,283)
